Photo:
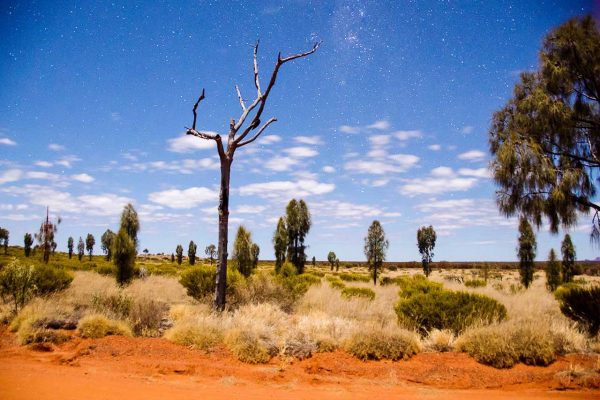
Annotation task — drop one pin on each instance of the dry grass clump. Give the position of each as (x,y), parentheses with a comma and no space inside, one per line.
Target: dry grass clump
(146,316)
(388,344)
(197,336)
(250,346)
(97,326)
(366,293)
(440,340)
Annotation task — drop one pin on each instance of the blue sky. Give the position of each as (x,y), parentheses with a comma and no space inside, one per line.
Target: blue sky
(388,120)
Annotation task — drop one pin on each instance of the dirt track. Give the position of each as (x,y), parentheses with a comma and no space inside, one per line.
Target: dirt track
(128,369)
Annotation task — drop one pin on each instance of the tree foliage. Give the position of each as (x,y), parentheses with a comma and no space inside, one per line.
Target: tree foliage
(4,235)
(192,252)
(179,253)
(27,242)
(90,241)
(80,249)
(255,251)
(125,245)
(106,242)
(280,242)
(568,259)
(131,223)
(553,278)
(70,245)
(298,222)
(546,139)
(16,284)
(45,237)
(211,252)
(376,246)
(526,251)
(331,257)
(242,251)
(426,243)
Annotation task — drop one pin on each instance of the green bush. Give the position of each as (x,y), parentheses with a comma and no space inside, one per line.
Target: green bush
(337,284)
(117,305)
(443,309)
(416,284)
(350,292)
(351,277)
(49,279)
(17,284)
(378,345)
(200,284)
(106,269)
(582,305)
(263,287)
(475,283)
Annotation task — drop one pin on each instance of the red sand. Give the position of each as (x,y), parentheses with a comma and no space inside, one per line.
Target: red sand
(136,368)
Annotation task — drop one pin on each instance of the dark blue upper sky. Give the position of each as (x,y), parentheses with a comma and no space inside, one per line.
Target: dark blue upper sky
(388,120)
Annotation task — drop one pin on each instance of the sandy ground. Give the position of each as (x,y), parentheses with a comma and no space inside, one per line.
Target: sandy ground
(136,368)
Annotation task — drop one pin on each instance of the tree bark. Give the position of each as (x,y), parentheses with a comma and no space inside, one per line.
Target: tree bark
(221,282)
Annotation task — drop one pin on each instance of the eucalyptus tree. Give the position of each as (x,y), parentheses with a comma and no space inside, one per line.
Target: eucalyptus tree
(426,238)
(375,249)
(238,137)
(526,251)
(106,241)
(90,241)
(242,251)
(298,222)
(280,241)
(211,252)
(4,235)
(70,245)
(179,253)
(546,140)
(255,251)
(80,249)
(27,242)
(331,257)
(553,279)
(568,258)
(192,252)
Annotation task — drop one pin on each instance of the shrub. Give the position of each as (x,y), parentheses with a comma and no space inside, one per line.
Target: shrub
(417,284)
(97,326)
(146,315)
(194,336)
(118,305)
(49,279)
(443,309)
(503,346)
(440,340)
(17,284)
(366,293)
(475,283)
(263,288)
(583,305)
(106,269)
(337,284)
(381,345)
(30,332)
(199,282)
(248,346)
(350,277)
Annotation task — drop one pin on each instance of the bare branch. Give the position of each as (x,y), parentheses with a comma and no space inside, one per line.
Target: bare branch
(306,53)
(256,82)
(237,89)
(203,135)
(262,128)
(195,107)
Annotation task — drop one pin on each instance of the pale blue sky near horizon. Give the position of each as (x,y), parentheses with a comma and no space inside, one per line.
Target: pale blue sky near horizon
(388,120)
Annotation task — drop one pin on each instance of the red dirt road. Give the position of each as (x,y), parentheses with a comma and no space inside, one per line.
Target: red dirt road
(135,368)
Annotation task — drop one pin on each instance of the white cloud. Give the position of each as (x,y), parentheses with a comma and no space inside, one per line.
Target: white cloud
(7,142)
(280,164)
(405,135)
(43,164)
(379,140)
(187,166)
(345,210)
(440,180)
(183,199)
(380,182)
(310,140)
(56,147)
(286,189)
(301,152)
(189,144)
(250,209)
(396,163)
(477,173)
(10,175)
(67,161)
(467,129)
(349,129)
(434,147)
(270,139)
(42,175)
(381,125)
(328,169)
(85,178)
(442,172)
(472,155)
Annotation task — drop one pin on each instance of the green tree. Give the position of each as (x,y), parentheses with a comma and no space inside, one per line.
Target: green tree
(280,241)
(211,252)
(90,241)
(376,246)
(172,257)
(546,140)
(337,264)
(568,259)
(4,233)
(179,253)
(80,249)
(298,223)
(125,245)
(552,272)
(192,252)
(331,257)
(27,242)
(45,237)
(17,284)
(426,243)
(255,251)
(526,251)
(70,244)
(242,251)
(106,242)
(314,261)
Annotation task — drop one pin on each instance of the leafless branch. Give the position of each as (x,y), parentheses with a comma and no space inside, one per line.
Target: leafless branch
(256,82)
(262,128)
(237,89)
(203,135)
(195,107)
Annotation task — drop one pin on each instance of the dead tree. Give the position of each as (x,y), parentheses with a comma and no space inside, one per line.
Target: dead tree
(235,140)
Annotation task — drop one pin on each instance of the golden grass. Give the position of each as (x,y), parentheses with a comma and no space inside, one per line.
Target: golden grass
(98,326)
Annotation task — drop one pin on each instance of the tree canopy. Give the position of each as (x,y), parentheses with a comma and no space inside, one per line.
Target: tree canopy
(546,140)
(426,238)
(376,246)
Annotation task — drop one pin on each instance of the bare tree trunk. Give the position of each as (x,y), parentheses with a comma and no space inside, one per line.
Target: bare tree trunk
(221,283)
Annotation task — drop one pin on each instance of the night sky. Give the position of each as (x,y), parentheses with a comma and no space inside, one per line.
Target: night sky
(388,120)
